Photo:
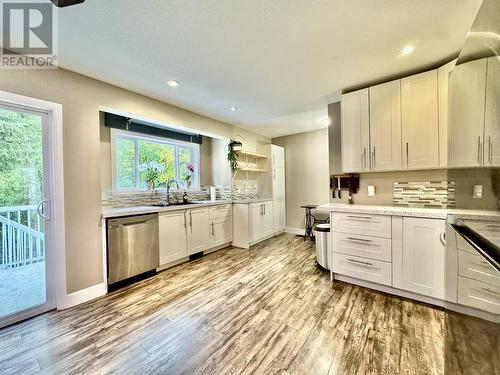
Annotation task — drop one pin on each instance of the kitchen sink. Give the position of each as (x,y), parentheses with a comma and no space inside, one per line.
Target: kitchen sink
(173,204)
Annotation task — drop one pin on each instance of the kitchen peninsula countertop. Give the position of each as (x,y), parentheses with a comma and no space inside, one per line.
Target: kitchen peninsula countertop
(431,213)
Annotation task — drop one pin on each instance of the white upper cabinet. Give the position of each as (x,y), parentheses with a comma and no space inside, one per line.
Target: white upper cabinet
(466,131)
(385,126)
(355,132)
(444,74)
(420,127)
(492,114)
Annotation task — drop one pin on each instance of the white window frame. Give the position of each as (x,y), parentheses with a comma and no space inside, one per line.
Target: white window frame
(195,148)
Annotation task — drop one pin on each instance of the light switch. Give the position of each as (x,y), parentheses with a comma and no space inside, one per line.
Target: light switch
(371,190)
(477,192)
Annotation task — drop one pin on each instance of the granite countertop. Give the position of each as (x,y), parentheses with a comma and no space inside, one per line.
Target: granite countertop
(139,210)
(432,213)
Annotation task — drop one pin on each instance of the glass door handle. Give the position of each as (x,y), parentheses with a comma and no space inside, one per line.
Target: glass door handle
(42,211)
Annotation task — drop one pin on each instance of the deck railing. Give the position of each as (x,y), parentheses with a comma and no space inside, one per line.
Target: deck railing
(22,237)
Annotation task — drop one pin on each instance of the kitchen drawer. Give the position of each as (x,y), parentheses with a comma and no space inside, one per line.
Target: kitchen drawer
(463,245)
(475,267)
(479,295)
(366,225)
(368,247)
(220,211)
(362,268)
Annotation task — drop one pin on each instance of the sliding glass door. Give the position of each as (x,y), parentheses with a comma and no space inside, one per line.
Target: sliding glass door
(25,257)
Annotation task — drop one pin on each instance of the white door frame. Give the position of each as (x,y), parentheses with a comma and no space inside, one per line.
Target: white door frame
(55,231)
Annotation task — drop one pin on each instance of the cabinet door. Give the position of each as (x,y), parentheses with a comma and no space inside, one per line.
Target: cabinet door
(492,115)
(268,220)
(277,156)
(278,183)
(173,241)
(355,132)
(385,126)
(444,73)
(221,231)
(419,114)
(468,88)
(279,217)
(420,267)
(255,213)
(198,232)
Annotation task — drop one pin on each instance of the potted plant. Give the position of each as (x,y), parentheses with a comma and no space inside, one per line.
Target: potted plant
(232,155)
(189,174)
(151,171)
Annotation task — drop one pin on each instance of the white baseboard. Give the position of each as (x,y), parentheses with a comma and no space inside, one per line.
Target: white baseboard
(293,230)
(84,295)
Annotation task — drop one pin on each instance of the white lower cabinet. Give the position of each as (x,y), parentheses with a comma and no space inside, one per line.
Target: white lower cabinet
(363,268)
(198,233)
(221,231)
(252,223)
(279,207)
(173,238)
(418,265)
(261,221)
(474,293)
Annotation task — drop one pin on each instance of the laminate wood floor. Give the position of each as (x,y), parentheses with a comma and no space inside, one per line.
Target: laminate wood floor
(267,310)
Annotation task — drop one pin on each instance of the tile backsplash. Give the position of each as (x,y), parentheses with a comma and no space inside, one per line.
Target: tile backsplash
(431,194)
(111,200)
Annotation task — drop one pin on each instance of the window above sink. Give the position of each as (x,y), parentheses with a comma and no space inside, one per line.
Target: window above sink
(131,151)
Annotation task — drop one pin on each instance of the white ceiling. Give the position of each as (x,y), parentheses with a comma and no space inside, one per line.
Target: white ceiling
(271,59)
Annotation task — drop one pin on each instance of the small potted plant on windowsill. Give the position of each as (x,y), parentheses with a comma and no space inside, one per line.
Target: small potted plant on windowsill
(152,171)
(188,175)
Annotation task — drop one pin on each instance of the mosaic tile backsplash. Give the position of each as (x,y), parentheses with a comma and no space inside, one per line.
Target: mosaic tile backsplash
(433,194)
(111,200)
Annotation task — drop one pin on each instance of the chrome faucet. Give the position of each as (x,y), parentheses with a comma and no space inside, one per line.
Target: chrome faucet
(168,188)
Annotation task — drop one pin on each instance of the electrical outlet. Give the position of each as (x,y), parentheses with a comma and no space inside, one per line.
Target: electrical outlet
(371,190)
(477,192)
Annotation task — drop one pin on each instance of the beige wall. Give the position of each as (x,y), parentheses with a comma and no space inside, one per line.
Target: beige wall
(306,169)
(81,98)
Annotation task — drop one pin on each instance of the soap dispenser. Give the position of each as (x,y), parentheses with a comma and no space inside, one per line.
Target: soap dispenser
(185,197)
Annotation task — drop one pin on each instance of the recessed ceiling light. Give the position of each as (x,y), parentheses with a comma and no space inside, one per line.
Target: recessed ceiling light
(406,50)
(173,83)
(233,108)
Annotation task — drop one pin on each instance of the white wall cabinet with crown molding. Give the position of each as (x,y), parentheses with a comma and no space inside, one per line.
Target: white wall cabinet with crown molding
(404,125)
(420,120)
(356,132)
(385,126)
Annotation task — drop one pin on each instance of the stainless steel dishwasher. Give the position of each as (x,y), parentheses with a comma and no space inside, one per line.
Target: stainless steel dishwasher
(132,246)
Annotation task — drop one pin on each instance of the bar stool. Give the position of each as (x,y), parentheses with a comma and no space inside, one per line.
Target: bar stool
(310,220)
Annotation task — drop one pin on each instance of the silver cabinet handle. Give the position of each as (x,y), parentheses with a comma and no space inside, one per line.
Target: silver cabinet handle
(212,228)
(490,150)
(184,216)
(359,239)
(190,219)
(363,158)
(359,262)
(264,205)
(479,150)
(442,238)
(493,225)
(374,158)
(491,291)
(407,156)
(359,217)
